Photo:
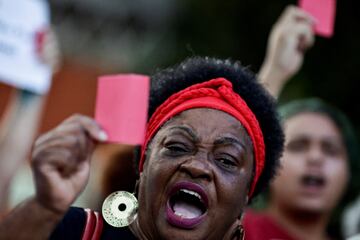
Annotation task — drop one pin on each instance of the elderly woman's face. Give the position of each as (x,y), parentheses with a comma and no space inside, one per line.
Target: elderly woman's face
(196,177)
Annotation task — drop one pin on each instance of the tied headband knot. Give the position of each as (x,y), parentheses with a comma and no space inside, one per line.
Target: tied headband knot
(215,94)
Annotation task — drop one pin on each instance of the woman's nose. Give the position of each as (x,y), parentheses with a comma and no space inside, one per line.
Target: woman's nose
(315,156)
(198,166)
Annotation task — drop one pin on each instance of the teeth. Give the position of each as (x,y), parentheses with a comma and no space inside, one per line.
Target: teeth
(313,180)
(178,214)
(191,193)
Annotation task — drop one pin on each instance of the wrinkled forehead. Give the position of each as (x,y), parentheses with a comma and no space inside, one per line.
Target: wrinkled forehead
(207,125)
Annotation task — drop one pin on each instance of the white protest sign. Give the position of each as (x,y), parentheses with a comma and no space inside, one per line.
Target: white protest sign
(20,23)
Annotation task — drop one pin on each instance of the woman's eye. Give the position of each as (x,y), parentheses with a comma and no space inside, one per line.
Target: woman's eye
(332,149)
(176,148)
(226,161)
(297,146)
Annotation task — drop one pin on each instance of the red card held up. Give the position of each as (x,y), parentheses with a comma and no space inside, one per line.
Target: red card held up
(324,12)
(121,107)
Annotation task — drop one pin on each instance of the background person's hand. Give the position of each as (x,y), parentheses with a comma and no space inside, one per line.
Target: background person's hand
(290,37)
(61,161)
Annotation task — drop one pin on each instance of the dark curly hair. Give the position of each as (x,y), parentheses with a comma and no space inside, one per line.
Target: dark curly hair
(194,70)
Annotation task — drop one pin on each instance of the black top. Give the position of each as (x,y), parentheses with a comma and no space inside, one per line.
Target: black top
(73,223)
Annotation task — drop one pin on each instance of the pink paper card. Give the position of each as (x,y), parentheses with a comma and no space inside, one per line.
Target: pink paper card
(121,107)
(324,12)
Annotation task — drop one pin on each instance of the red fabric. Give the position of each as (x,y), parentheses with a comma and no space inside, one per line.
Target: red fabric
(99,226)
(93,225)
(259,226)
(89,225)
(216,94)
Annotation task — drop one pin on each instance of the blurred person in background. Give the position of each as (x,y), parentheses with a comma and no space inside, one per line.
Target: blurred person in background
(20,123)
(320,159)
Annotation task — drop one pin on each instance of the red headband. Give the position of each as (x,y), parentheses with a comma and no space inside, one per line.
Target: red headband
(216,94)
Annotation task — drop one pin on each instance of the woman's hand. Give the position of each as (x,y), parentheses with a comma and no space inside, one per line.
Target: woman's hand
(61,161)
(289,38)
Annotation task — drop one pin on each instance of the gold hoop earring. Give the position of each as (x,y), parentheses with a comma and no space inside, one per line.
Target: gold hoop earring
(120,209)
(239,233)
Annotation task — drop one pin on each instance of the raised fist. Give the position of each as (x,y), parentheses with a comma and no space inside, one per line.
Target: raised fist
(61,161)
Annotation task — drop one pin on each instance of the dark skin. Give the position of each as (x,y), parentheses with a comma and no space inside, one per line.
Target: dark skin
(216,155)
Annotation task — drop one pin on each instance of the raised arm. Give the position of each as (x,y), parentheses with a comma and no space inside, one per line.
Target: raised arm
(17,131)
(290,36)
(60,164)
(22,119)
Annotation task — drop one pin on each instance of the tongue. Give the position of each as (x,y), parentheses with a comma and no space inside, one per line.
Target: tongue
(186,210)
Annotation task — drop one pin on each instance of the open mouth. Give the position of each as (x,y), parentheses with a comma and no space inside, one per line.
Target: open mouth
(313,182)
(187,205)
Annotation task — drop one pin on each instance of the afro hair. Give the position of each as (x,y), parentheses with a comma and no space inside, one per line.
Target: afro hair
(194,70)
